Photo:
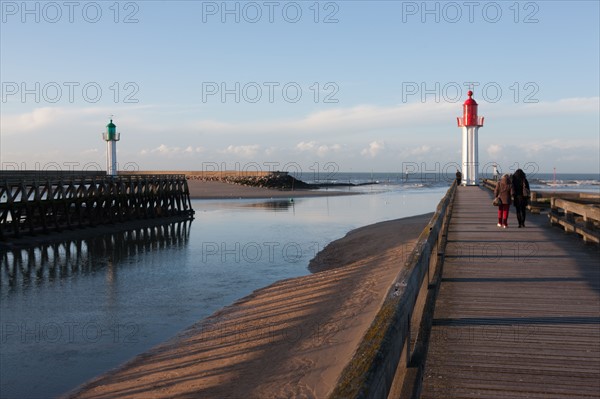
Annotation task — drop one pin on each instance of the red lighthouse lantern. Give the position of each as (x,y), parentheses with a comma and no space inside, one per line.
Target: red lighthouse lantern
(470,117)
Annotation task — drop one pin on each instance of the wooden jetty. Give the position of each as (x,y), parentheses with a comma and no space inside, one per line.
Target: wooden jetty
(37,202)
(518,310)
(480,311)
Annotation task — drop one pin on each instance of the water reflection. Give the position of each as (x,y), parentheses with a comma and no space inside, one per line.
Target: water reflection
(69,258)
(275,205)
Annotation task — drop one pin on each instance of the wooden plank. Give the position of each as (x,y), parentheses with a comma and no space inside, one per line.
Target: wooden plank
(518,312)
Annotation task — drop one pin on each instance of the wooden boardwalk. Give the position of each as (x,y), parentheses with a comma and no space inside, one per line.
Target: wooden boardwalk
(518,311)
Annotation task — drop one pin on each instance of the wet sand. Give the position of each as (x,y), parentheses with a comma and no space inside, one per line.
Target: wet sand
(219,190)
(291,339)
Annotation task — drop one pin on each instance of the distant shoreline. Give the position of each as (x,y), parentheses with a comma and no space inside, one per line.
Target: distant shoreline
(274,181)
(199,190)
(220,190)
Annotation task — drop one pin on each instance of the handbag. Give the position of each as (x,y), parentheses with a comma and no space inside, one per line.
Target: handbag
(497,201)
(526,192)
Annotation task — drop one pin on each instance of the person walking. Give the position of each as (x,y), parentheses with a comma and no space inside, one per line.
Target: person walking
(521,195)
(458,177)
(503,191)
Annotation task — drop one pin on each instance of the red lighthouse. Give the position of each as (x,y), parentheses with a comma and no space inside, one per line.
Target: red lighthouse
(470,123)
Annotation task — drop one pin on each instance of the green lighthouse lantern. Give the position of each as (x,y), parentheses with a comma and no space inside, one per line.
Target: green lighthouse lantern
(111,131)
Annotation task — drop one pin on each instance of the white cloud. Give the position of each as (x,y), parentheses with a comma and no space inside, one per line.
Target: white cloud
(64,119)
(359,119)
(339,121)
(326,149)
(271,151)
(565,106)
(166,150)
(36,120)
(421,150)
(306,146)
(494,150)
(395,132)
(557,144)
(246,151)
(374,148)
(191,150)
(319,149)
(542,156)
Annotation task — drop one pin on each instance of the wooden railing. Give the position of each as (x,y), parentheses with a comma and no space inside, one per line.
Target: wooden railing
(575,212)
(489,184)
(538,201)
(43,175)
(577,217)
(542,200)
(390,355)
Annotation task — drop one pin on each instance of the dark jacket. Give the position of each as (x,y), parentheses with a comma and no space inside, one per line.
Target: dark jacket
(504,190)
(518,181)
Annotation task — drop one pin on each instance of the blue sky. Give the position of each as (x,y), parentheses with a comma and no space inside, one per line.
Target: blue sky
(368,86)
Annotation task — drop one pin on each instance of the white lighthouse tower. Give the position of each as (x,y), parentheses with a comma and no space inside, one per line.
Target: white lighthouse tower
(470,124)
(111,137)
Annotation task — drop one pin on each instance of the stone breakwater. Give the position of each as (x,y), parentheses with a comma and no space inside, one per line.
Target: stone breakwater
(278,180)
(273,180)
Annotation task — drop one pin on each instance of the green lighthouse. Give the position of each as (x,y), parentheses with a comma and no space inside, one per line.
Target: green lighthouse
(111,137)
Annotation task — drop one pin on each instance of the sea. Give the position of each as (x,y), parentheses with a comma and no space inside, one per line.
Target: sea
(72,310)
(579,182)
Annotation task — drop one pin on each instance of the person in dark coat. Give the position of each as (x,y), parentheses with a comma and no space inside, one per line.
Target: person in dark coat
(458,177)
(521,195)
(503,191)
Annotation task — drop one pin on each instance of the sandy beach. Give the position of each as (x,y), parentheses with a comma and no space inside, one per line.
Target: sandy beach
(219,190)
(291,339)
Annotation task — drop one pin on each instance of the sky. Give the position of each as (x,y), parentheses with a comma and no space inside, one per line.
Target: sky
(353,86)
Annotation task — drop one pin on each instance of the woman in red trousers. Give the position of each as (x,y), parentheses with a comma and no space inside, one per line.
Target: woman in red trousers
(504,191)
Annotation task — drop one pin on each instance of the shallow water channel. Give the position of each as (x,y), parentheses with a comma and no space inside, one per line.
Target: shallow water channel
(73,310)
